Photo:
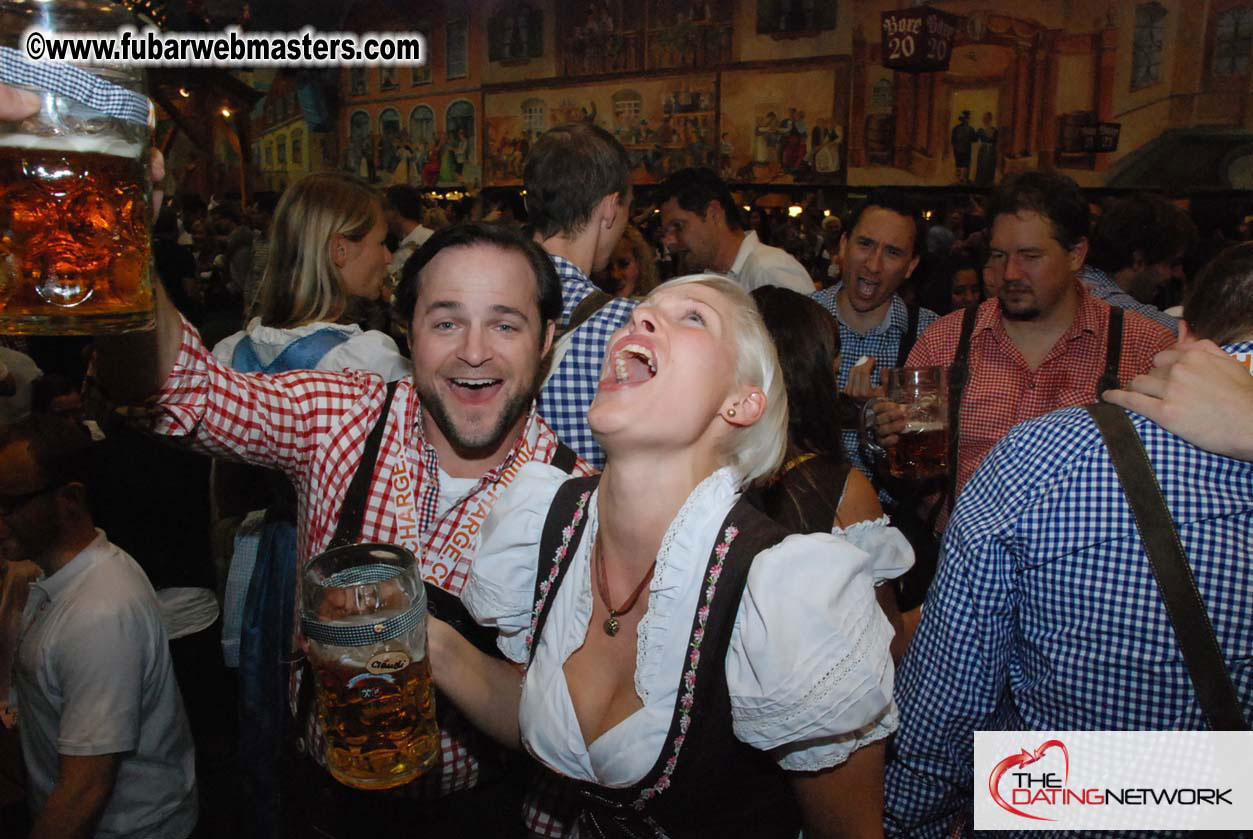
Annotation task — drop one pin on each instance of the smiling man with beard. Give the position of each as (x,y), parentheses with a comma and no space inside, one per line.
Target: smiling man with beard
(482,302)
(1043,342)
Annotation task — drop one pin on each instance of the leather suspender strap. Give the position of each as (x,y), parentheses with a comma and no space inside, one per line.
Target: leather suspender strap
(1113,353)
(958,374)
(352,513)
(1193,630)
(565,458)
(909,338)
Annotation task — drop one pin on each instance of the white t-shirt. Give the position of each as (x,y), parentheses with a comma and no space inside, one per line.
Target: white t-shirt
(94,677)
(371,350)
(452,490)
(808,668)
(757,265)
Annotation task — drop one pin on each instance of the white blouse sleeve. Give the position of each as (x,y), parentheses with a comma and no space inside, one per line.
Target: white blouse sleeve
(890,552)
(808,669)
(500,591)
(224,350)
(373,351)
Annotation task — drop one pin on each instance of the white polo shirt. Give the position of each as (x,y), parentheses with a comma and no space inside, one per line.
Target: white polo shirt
(93,677)
(757,265)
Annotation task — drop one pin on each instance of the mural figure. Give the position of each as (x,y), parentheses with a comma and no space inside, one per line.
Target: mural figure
(985,168)
(827,150)
(963,139)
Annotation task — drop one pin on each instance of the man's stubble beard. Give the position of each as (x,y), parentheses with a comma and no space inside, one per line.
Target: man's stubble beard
(1025,315)
(471,448)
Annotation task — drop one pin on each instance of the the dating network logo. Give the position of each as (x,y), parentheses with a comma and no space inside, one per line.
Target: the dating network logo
(1040,779)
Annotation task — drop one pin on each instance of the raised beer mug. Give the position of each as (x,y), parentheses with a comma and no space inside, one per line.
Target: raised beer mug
(75,191)
(922,450)
(363,613)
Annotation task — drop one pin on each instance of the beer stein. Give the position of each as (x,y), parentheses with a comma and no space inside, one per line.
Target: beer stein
(922,450)
(363,613)
(75,191)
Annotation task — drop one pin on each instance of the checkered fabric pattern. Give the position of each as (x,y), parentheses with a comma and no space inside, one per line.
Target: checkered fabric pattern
(569,392)
(1003,391)
(1102,287)
(72,83)
(1045,614)
(313,425)
(882,342)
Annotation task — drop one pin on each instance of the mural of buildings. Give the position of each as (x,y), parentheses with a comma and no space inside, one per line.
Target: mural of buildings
(282,146)
(1112,92)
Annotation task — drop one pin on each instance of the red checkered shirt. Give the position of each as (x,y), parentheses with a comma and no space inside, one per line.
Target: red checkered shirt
(313,426)
(1002,390)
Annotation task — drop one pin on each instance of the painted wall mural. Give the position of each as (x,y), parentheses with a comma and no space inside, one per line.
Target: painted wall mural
(1110,92)
(784,127)
(663,124)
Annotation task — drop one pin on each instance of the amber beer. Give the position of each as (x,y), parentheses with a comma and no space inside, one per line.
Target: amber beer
(74,245)
(378,716)
(921,452)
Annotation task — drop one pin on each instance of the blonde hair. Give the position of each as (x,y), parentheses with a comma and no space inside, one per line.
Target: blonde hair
(756,450)
(645,260)
(301,283)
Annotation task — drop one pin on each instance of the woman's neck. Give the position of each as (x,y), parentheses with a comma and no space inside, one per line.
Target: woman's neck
(639,498)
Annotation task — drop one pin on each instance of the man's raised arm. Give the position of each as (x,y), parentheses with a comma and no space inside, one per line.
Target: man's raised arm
(133,366)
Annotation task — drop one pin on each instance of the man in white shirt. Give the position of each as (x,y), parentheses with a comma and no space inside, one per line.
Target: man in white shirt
(404,221)
(107,747)
(699,218)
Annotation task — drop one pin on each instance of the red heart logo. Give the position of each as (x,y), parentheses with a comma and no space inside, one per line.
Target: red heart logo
(1024,758)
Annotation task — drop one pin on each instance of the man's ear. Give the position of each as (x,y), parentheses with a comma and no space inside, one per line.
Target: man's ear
(1137,260)
(913,263)
(550,329)
(1076,255)
(715,213)
(608,208)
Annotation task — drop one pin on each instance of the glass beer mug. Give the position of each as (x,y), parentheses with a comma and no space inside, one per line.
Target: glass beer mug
(75,194)
(922,450)
(363,611)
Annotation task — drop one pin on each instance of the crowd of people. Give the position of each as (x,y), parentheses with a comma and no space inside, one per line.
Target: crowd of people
(632,443)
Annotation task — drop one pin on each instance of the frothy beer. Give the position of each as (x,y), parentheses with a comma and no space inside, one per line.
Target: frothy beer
(921,452)
(74,245)
(378,715)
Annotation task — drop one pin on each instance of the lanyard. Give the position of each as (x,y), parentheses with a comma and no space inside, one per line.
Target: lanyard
(447,543)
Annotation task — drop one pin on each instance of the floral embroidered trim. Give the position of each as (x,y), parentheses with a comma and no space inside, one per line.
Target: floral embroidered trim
(545,587)
(689,671)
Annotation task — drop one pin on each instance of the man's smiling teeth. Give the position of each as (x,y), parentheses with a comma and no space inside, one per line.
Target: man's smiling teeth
(474,382)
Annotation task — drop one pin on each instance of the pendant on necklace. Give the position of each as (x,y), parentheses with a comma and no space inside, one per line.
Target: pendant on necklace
(612,625)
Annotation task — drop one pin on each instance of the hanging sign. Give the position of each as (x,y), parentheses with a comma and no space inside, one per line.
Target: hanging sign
(918,40)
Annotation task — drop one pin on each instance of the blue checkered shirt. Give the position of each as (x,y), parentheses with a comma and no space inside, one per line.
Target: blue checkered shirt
(568,394)
(1045,614)
(882,342)
(1102,286)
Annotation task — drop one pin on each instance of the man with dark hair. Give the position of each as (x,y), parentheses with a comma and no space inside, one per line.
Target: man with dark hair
(105,739)
(963,139)
(578,202)
(481,302)
(699,219)
(877,253)
(1047,614)
(1044,341)
(403,213)
(1138,244)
